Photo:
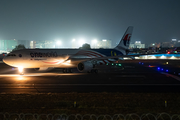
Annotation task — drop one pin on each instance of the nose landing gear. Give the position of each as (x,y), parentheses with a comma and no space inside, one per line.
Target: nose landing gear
(21,70)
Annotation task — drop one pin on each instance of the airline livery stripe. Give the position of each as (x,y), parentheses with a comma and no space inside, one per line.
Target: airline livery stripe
(51,62)
(92,52)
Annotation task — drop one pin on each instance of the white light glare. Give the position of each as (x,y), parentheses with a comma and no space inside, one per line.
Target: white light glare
(94,41)
(81,42)
(20,69)
(58,42)
(73,40)
(162,57)
(137,41)
(104,40)
(153,57)
(173,57)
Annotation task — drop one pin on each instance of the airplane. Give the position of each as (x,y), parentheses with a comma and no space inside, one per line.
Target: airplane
(85,60)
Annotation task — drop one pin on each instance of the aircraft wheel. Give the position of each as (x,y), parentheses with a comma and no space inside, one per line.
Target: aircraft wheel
(64,70)
(70,70)
(95,71)
(92,71)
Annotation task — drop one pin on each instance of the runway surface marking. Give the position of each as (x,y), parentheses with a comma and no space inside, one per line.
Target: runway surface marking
(173,76)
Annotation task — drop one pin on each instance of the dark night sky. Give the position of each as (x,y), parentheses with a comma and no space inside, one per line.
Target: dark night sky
(153,20)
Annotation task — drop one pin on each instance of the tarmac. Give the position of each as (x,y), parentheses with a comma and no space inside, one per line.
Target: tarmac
(130,77)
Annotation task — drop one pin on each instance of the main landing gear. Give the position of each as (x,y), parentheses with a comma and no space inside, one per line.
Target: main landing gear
(93,71)
(67,70)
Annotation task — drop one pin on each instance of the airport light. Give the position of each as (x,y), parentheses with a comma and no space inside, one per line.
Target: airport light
(153,57)
(58,42)
(104,40)
(94,41)
(162,57)
(172,57)
(73,40)
(81,41)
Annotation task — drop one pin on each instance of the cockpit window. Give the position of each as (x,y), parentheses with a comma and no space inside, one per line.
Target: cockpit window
(11,54)
(20,55)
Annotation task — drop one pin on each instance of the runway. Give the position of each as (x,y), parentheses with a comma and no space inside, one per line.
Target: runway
(136,78)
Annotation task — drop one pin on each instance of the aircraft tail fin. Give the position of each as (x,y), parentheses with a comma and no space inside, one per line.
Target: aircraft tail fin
(125,41)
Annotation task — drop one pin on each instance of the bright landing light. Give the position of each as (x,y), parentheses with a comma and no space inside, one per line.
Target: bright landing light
(20,69)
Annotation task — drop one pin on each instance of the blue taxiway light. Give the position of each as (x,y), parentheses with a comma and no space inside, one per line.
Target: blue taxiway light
(166,70)
(162,69)
(142,63)
(158,68)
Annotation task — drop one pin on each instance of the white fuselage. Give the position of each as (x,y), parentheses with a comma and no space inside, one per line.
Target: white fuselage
(60,58)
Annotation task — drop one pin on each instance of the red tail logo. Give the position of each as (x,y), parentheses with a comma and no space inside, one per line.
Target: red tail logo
(126,39)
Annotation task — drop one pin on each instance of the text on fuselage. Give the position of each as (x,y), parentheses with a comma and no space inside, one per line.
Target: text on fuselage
(39,54)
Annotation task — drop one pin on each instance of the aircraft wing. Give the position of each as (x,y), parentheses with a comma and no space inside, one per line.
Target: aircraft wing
(111,57)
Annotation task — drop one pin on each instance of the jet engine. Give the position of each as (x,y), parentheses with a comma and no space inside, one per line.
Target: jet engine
(85,66)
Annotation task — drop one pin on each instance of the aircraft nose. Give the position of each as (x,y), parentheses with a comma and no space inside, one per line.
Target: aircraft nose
(4,60)
(7,61)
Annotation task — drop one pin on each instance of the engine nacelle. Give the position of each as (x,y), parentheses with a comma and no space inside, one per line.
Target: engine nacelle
(43,69)
(85,66)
